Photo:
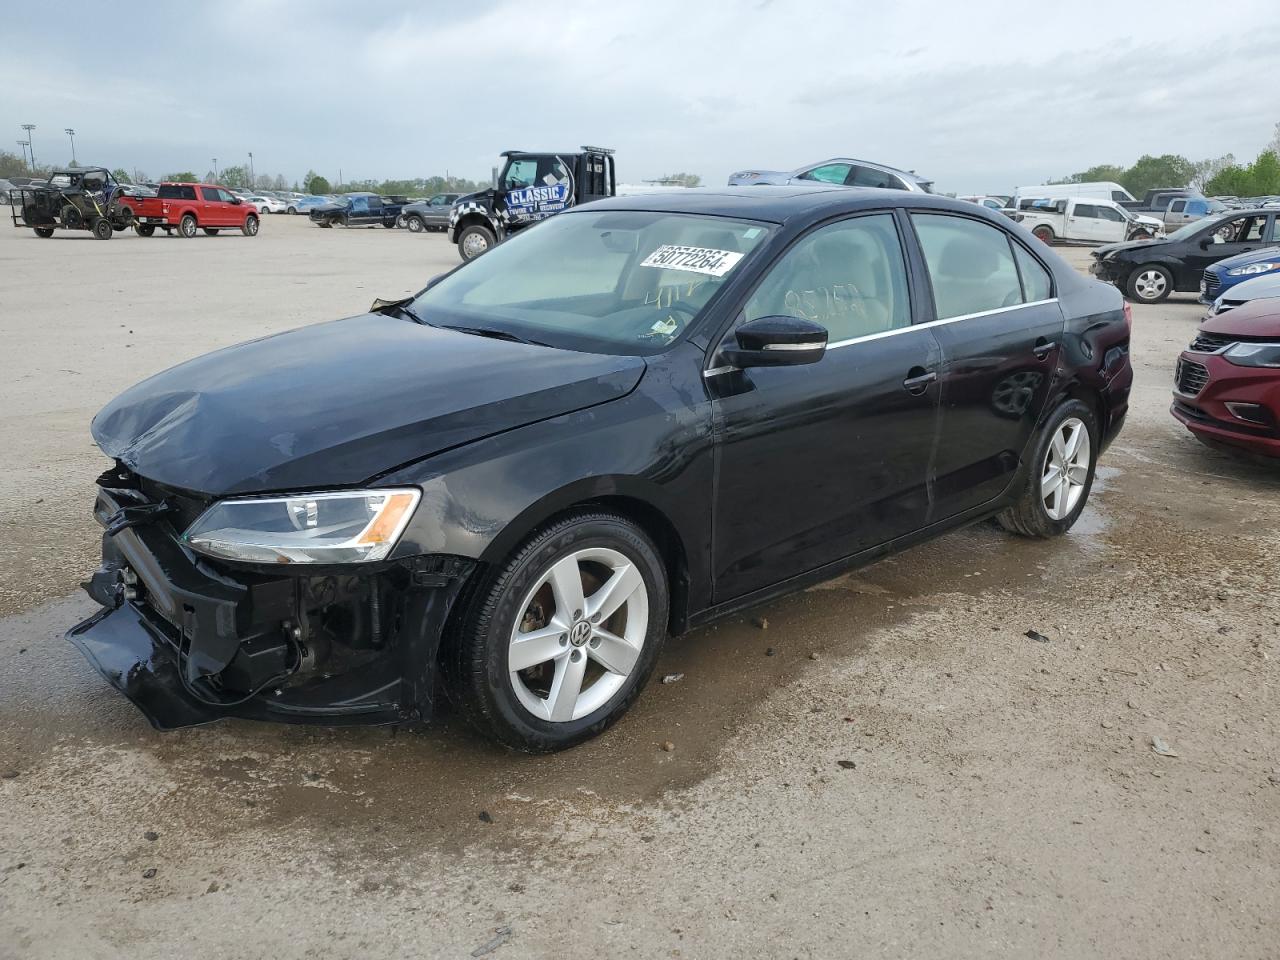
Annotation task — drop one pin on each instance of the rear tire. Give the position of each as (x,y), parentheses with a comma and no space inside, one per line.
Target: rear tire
(521,612)
(1043,234)
(102,228)
(1150,283)
(44,232)
(250,228)
(475,240)
(144,229)
(1059,474)
(187,226)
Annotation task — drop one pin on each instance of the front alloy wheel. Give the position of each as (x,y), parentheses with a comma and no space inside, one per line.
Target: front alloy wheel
(556,644)
(571,651)
(1150,284)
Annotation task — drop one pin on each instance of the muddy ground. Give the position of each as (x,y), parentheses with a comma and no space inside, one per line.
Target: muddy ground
(907,775)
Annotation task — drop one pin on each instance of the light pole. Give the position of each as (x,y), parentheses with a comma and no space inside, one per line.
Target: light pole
(215,168)
(29,127)
(253,180)
(72,134)
(23,145)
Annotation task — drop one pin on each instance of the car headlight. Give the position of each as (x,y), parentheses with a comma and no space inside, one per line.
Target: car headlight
(347,527)
(1254,354)
(1252,269)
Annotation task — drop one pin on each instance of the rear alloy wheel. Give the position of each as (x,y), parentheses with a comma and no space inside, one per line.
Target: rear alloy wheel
(1059,476)
(475,240)
(102,228)
(558,644)
(250,228)
(1043,234)
(1150,283)
(187,226)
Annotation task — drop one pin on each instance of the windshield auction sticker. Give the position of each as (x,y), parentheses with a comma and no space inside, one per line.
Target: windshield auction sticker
(714,263)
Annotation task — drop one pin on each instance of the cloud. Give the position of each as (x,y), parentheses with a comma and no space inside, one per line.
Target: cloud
(979,96)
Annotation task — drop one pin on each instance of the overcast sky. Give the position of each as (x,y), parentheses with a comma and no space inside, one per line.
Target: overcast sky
(981,96)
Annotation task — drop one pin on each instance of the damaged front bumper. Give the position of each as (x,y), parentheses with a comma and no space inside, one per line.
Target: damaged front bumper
(189,641)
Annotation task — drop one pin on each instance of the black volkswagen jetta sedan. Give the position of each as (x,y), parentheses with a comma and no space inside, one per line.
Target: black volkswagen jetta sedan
(641,415)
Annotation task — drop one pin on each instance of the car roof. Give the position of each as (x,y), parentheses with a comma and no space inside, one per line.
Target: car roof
(866,163)
(779,204)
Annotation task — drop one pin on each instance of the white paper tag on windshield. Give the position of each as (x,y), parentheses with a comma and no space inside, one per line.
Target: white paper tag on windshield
(714,263)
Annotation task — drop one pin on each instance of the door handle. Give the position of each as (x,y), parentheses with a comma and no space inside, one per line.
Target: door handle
(918,380)
(1043,348)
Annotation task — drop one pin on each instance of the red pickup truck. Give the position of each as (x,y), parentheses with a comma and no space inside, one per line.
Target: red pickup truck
(188,207)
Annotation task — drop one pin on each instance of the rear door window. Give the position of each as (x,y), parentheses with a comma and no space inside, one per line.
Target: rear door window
(971,265)
(212,194)
(1037,282)
(871,177)
(1086,210)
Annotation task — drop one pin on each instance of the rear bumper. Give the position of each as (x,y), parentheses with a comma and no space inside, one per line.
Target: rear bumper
(188,642)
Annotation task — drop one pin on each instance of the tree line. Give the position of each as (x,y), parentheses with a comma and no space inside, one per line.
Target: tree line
(1215,177)
(240,177)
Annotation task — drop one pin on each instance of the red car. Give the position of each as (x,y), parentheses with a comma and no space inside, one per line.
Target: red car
(190,207)
(1227,384)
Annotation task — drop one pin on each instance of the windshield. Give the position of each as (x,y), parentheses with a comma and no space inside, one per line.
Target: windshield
(621,282)
(1189,230)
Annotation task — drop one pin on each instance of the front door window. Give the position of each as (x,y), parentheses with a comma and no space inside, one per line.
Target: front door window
(849,276)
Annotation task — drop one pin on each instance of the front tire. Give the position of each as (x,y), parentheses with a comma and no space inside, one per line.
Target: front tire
(102,228)
(187,226)
(475,240)
(144,229)
(43,232)
(1060,474)
(1150,283)
(414,223)
(558,641)
(250,228)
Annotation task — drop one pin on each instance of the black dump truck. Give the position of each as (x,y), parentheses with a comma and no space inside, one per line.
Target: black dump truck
(531,187)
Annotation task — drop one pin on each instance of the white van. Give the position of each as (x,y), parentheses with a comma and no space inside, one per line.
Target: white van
(1098,190)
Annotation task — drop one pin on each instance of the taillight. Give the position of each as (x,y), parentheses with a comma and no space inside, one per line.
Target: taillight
(164,209)
(1128,315)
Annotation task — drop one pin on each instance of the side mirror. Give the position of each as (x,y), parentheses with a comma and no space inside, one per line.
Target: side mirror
(777,342)
(237,201)
(1206,243)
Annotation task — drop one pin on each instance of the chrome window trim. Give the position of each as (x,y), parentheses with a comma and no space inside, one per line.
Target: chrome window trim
(716,371)
(938,323)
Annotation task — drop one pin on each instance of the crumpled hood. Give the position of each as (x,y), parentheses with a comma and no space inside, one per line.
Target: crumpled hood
(339,403)
(1109,248)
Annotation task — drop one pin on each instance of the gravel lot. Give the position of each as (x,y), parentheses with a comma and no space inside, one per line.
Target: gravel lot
(1004,797)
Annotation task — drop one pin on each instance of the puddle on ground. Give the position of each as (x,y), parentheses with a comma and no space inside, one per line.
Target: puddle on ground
(440,778)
